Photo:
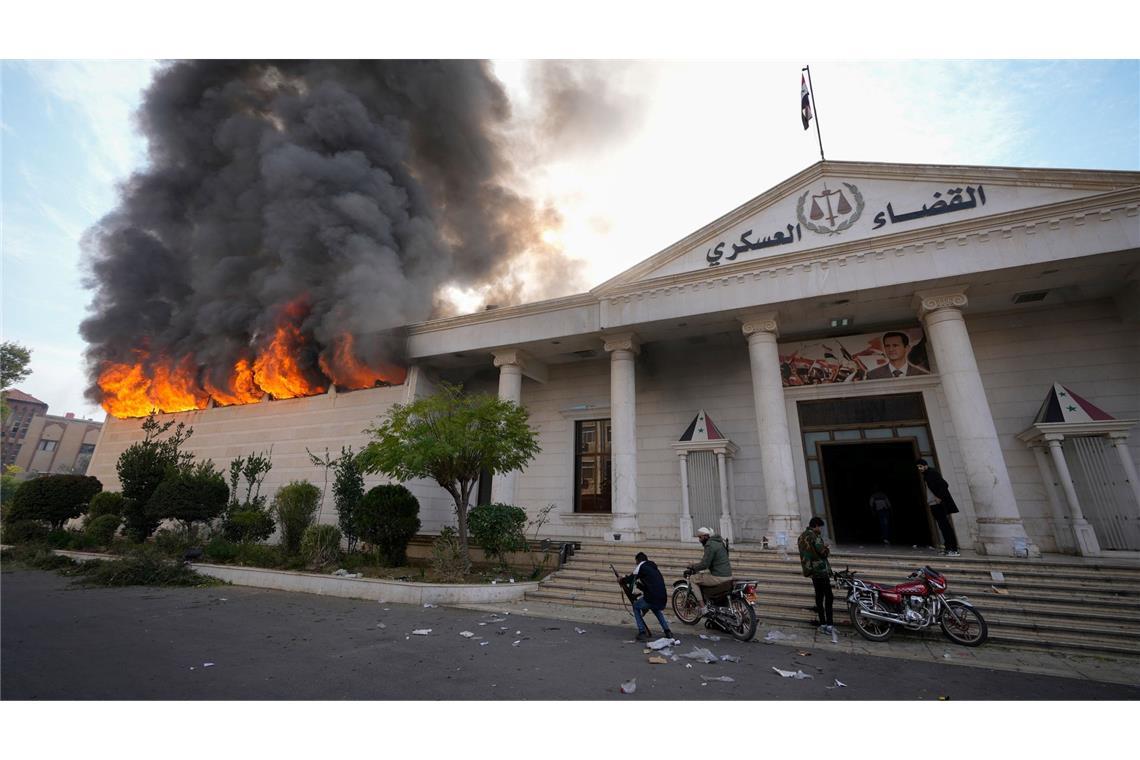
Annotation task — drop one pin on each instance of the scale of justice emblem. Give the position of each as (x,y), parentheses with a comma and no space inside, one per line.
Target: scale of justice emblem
(831,211)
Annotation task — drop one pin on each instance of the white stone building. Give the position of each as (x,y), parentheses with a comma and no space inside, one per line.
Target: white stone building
(982,286)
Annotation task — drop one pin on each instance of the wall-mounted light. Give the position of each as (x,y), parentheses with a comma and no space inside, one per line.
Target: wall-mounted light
(842,321)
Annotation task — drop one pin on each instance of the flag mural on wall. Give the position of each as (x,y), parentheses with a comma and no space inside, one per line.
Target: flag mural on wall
(853,358)
(805,102)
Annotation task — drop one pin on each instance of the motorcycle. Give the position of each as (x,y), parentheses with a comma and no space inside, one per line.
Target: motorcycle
(732,606)
(876,609)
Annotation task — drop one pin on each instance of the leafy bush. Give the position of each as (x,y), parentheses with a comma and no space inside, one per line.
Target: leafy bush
(248,525)
(190,495)
(259,555)
(104,503)
(9,485)
(54,498)
(173,543)
(145,566)
(388,517)
(221,550)
(141,469)
(295,506)
(447,556)
(25,532)
(102,529)
(36,557)
(321,544)
(348,490)
(498,528)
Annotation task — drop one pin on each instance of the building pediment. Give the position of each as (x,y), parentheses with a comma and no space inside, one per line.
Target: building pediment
(841,202)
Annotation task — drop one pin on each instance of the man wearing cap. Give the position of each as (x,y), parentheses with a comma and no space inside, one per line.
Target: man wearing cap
(648,578)
(714,567)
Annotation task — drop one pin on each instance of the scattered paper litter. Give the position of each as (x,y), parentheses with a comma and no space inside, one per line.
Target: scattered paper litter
(999,590)
(729,658)
(804,654)
(207,664)
(381,625)
(629,687)
(222,599)
(666,652)
(516,643)
(778,636)
(799,675)
(518,633)
(834,636)
(466,634)
(579,631)
(688,665)
(702,654)
(421,632)
(429,604)
(725,679)
(660,643)
(997,576)
(658,661)
(484,643)
(710,638)
(838,685)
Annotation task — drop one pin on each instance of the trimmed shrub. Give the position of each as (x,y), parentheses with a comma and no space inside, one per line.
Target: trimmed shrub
(259,555)
(54,498)
(102,529)
(25,532)
(498,528)
(388,517)
(321,544)
(447,556)
(248,525)
(173,543)
(193,495)
(104,503)
(145,566)
(221,550)
(295,506)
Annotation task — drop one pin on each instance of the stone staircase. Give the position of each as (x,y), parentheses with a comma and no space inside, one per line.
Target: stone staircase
(1057,604)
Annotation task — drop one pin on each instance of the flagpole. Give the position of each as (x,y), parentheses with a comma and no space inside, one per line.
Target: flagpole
(814,110)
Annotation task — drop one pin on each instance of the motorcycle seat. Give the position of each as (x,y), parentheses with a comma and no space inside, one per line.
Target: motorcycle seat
(717,589)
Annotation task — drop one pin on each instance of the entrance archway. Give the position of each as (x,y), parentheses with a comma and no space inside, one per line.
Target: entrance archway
(853,470)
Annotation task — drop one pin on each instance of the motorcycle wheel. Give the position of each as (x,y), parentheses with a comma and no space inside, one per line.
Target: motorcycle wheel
(969,629)
(869,628)
(747,627)
(685,606)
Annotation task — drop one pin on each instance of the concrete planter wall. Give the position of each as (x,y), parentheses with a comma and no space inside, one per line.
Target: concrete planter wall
(372,589)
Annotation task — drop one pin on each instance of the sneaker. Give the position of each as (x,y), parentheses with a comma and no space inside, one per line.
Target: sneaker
(824,629)
(953,554)
(644,636)
(668,634)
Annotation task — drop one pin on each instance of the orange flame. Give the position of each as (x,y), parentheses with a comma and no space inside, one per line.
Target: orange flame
(175,389)
(241,389)
(125,390)
(348,372)
(276,369)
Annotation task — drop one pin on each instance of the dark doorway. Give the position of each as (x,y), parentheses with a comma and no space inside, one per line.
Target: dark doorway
(853,471)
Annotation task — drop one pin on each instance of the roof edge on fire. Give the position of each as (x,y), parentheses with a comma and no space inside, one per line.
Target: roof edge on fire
(1104,180)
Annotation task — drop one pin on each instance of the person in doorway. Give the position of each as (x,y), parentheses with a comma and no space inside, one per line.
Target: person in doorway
(895,347)
(941,506)
(813,559)
(881,506)
(714,567)
(648,578)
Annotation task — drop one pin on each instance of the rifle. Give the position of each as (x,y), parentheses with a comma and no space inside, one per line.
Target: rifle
(625,589)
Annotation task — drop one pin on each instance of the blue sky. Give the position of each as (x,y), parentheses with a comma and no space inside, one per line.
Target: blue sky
(704,138)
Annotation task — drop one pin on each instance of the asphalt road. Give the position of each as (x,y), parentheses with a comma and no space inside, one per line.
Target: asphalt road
(59,641)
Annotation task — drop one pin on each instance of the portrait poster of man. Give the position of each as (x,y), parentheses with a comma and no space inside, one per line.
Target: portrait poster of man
(885,355)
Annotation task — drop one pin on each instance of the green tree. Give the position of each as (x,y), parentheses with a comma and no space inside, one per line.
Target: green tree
(348,490)
(54,498)
(499,529)
(14,360)
(144,465)
(450,437)
(295,506)
(190,495)
(9,485)
(388,517)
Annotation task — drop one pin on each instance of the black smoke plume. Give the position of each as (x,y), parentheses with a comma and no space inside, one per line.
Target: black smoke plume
(357,189)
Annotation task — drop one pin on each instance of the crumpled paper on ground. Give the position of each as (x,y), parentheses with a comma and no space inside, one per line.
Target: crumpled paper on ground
(725,679)
(799,675)
(660,643)
(629,687)
(702,654)
(421,632)
(778,636)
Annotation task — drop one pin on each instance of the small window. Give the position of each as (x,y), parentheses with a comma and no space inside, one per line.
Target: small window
(592,466)
(86,448)
(48,445)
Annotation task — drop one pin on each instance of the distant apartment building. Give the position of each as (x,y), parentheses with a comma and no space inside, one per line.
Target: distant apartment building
(56,444)
(23,409)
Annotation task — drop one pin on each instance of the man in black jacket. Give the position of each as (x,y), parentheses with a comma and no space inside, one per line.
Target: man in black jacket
(941,506)
(652,585)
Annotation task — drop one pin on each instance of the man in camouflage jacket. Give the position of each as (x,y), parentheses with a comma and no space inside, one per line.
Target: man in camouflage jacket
(714,567)
(813,559)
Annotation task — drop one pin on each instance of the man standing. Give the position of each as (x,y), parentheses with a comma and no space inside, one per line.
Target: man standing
(813,559)
(941,506)
(895,347)
(714,567)
(881,506)
(648,579)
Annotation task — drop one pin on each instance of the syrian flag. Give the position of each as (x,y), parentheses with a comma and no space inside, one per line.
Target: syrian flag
(805,102)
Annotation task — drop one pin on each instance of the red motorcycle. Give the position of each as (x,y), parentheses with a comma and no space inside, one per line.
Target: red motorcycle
(876,609)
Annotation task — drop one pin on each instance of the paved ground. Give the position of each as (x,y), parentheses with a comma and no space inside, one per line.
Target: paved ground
(58,641)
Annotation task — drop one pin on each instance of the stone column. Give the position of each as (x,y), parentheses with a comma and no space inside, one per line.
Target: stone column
(999,523)
(725,515)
(510,389)
(1120,443)
(1061,529)
(686,515)
(623,349)
(1083,533)
(772,427)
